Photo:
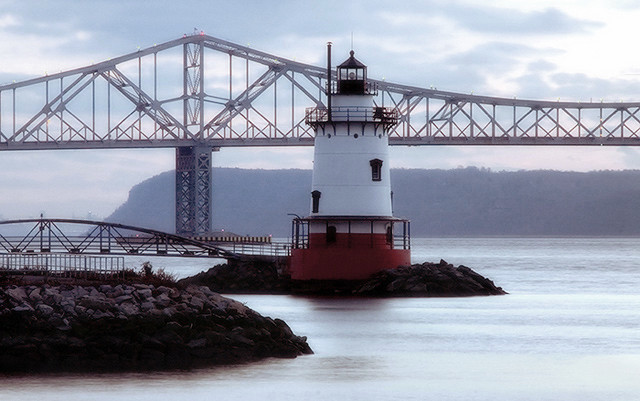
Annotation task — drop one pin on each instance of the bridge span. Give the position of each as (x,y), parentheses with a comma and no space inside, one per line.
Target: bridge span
(71,247)
(75,237)
(199,93)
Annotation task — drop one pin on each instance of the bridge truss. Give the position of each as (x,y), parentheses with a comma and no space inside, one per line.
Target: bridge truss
(99,238)
(199,93)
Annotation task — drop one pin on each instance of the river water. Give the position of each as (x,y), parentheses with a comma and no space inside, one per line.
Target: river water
(568,330)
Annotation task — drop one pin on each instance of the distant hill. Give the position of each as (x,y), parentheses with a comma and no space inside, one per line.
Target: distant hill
(252,202)
(458,202)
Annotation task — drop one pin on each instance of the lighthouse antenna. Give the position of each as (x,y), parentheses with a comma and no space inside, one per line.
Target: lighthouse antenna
(329,81)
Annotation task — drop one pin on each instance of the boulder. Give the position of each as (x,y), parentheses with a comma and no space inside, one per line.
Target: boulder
(17,294)
(44,310)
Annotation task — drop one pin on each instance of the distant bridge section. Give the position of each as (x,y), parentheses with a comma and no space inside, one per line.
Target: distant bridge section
(199,93)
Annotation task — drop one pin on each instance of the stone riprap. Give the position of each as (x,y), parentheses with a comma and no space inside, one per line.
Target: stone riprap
(237,277)
(133,327)
(429,280)
(419,280)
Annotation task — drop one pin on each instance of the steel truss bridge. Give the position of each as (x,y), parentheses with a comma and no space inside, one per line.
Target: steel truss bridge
(199,93)
(67,236)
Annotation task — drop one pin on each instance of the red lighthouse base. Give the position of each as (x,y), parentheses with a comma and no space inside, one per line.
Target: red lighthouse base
(348,257)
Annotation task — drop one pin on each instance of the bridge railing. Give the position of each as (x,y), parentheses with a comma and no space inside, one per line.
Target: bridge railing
(61,236)
(65,265)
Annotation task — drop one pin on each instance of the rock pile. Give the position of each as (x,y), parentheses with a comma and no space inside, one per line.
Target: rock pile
(236,277)
(133,327)
(429,280)
(419,280)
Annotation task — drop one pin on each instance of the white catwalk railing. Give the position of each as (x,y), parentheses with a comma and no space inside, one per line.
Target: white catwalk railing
(273,249)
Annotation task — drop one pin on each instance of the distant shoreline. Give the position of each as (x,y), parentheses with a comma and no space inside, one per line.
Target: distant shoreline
(466,202)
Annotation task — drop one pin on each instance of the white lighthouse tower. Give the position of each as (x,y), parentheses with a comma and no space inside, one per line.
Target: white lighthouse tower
(351,232)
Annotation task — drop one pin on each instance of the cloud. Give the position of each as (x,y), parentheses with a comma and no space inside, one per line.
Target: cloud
(494,57)
(62,183)
(577,87)
(541,66)
(28,55)
(547,22)
(485,19)
(267,158)
(517,158)
(8,21)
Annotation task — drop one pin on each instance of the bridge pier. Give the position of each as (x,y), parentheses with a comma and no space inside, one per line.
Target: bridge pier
(193,190)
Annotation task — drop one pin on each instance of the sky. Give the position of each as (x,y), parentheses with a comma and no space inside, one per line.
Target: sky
(546,50)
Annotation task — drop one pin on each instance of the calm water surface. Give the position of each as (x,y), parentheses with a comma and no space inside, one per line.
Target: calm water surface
(568,330)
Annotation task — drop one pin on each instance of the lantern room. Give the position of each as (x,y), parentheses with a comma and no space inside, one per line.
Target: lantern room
(352,77)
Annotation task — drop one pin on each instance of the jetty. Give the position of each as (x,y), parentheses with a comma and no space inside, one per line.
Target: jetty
(133,327)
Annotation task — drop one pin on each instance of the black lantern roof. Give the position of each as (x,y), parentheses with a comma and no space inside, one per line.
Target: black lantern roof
(352,62)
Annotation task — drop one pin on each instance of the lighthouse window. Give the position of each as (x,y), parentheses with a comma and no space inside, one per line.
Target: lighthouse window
(376,169)
(315,200)
(331,234)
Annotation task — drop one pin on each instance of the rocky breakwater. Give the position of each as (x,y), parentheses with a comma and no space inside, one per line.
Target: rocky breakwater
(418,280)
(133,327)
(429,280)
(238,277)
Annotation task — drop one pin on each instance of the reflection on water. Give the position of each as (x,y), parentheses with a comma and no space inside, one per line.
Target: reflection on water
(569,330)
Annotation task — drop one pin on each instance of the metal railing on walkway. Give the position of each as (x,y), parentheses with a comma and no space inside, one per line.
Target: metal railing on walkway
(274,249)
(64,265)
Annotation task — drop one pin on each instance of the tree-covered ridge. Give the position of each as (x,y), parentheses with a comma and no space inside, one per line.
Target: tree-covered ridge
(468,201)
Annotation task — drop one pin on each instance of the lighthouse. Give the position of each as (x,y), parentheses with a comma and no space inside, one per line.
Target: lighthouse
(350,232)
